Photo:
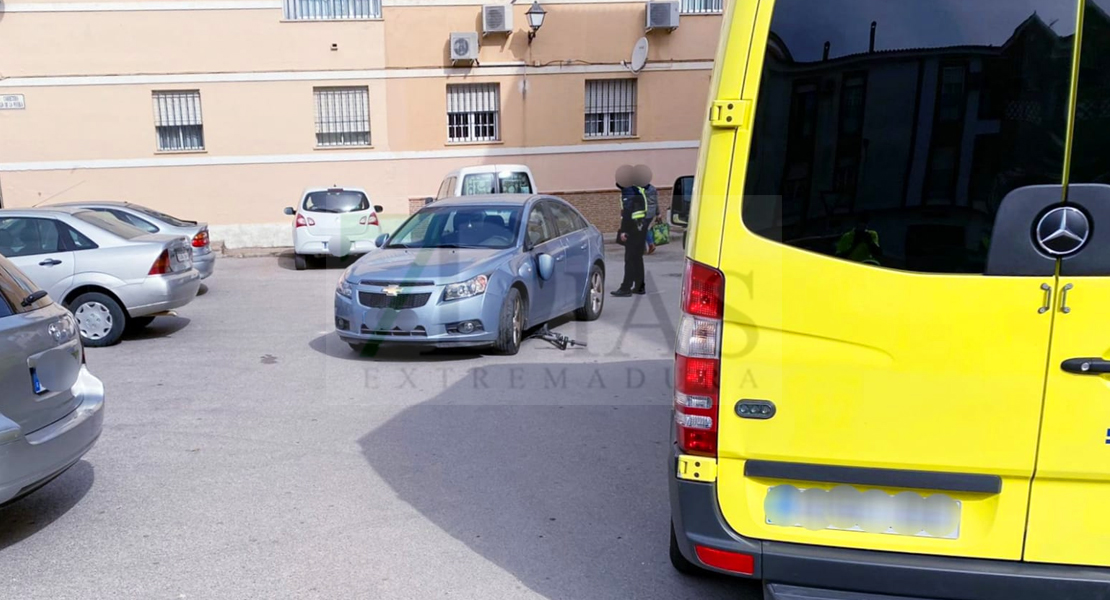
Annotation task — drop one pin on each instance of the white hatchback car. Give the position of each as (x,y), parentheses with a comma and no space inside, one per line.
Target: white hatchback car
(333,222)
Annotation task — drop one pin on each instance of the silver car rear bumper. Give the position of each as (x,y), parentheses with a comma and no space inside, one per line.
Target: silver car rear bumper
(159,293)
(205,263)
(28,459)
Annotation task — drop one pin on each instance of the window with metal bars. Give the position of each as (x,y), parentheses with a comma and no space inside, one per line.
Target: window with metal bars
(331,10)
(610,108)
(177,120)
(474,112)
(696,7)
(342,116)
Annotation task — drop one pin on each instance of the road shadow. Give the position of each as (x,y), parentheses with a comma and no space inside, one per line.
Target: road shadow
(202,290)
(161,327)
(330,345)
(28,516)
(285,261)
(554,472)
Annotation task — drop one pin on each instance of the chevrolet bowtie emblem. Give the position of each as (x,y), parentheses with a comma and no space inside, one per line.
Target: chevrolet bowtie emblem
(392,290)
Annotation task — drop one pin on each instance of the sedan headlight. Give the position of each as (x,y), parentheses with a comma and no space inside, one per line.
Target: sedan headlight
(63,330)
(466,289)
(344,289)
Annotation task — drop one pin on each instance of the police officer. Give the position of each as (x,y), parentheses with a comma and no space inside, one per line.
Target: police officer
(861,244)
(633,231)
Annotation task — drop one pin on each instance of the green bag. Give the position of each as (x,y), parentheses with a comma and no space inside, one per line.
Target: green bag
(660,233)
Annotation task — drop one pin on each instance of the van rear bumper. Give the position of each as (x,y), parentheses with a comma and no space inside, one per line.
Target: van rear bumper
(801,572)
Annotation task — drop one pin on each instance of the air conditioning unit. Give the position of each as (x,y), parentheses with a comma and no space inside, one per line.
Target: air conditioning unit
(662,15)
(464,46)
(497,18)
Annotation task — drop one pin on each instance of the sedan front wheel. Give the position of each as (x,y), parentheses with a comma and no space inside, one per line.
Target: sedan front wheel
(511,327)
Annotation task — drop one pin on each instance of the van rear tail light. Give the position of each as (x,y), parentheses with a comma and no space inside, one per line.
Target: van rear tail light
(703,291)
(698,360)
(200,240)
(161,265)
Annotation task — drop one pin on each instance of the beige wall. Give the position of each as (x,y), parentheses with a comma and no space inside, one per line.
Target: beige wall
(195,41)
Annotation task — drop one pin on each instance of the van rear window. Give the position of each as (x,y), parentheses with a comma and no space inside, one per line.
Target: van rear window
(889,132)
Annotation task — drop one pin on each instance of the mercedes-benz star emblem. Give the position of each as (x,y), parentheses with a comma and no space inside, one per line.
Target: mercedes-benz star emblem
(1063,231)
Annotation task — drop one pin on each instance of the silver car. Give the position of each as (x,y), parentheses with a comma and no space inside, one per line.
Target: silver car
(474,271)
(152,221)
(112,275)
(51,408)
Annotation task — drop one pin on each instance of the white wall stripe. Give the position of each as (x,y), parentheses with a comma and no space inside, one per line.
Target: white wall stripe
(482,71)
(180,5)
(332,156)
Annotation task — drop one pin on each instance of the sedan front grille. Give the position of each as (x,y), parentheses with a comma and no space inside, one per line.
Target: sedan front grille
(401,301)
(396,332)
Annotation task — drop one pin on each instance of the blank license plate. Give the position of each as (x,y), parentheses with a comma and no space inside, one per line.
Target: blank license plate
(182,256)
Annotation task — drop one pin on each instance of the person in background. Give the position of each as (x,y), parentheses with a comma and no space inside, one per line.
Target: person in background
(633,230)
(861,244)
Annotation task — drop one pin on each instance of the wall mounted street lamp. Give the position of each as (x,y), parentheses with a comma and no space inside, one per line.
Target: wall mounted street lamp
(535,16)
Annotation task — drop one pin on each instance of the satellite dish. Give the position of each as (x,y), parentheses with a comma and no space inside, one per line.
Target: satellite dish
(639,55)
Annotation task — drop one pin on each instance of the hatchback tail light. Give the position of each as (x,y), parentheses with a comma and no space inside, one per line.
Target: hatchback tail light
(200,240)
(161,265)
(698,360)
(372,219)
(304,222)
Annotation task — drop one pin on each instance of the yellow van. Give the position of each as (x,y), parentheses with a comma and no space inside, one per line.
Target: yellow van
(893,365)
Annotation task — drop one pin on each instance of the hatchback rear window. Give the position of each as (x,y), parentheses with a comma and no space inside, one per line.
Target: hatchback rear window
(336,201)
(110,224)
(15,287)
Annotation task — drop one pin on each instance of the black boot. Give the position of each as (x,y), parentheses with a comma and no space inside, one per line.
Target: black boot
(621,292)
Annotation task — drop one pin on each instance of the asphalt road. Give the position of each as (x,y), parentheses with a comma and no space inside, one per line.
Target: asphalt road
(248,453)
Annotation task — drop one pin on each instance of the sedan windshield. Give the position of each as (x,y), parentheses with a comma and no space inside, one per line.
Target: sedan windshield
(459,227)
(336,201)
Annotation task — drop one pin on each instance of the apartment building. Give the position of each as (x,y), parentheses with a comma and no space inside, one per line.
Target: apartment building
(225,110)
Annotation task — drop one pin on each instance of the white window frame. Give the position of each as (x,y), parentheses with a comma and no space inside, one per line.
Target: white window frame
(178,121)
(332,10)
(610,108)
(342,116)
(701,7)
(473,112)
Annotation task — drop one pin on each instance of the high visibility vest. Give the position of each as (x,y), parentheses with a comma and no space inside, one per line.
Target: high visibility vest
(638,215)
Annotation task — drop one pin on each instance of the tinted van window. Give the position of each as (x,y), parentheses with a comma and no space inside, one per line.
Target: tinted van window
(889,132)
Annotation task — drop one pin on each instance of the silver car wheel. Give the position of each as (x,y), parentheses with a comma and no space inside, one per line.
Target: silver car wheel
(94,320)
(518,322)
(597,292)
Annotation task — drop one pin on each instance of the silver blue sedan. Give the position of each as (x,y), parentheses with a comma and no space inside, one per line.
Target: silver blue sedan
(474,271)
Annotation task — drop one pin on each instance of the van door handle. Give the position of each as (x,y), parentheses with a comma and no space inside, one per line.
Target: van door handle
(1047,298)
(1064,308)
(50,262)
(1086,366)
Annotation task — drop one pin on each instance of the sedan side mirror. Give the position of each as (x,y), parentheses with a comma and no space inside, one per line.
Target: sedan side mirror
(546,266)
(381,240)
(289,211)
(429,200)
(378,208)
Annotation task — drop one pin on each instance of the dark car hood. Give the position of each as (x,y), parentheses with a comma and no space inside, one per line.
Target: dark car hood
(442,265)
